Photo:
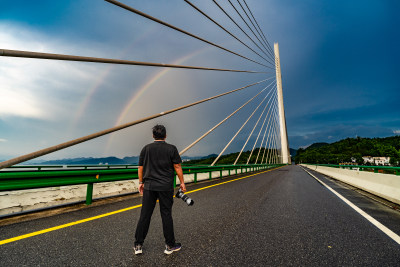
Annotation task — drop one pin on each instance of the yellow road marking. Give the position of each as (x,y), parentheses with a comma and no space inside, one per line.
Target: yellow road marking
(202,188)
(65,225)
(5,241)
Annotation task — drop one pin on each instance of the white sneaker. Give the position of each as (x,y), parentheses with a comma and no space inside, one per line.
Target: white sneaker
(138,249)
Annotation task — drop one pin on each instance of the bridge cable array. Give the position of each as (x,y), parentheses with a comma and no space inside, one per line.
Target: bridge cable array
(263,35)
(240,129)
(266,141)
(248,138)
(221,122)
(243,31)
(178,29)
(237,11)
(272,156)
(271,130)
(264,40)
(231,34)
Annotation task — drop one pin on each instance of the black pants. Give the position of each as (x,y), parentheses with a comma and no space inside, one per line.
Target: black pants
(149,201)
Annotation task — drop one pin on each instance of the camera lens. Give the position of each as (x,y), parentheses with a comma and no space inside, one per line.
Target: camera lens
(184,197)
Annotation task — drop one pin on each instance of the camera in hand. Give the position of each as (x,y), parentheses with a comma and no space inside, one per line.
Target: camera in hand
(184,197)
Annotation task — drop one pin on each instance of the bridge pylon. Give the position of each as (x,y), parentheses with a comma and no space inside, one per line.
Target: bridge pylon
(285,152)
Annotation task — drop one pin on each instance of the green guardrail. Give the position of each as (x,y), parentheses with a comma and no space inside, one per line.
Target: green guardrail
(375,169)
(83,167)
(30,179)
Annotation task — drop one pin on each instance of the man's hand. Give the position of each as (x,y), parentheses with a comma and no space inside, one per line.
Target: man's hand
(141,187)
(183,187)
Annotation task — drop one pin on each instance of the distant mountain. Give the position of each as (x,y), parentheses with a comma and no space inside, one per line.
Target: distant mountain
(29,162)
(84,161)
(293,152)
(133,160)
(34,161)
(210,156)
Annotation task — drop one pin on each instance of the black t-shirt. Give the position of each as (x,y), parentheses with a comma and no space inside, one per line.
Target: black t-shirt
(158,161)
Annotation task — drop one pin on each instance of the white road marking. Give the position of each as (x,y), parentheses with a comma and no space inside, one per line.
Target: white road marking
(380,226)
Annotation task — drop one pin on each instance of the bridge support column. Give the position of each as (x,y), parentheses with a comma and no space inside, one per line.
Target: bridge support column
(282,121)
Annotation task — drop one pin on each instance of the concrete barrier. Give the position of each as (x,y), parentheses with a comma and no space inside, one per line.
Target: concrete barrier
(386,186)
(32,199)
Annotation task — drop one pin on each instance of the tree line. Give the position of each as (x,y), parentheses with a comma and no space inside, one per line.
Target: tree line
(351,149)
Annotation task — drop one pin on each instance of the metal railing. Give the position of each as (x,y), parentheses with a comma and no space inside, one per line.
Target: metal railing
(375,169)
(63,167)
(88,174)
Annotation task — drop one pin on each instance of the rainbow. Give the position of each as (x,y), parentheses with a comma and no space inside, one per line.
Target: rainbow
(99,81)
(135,97)
(85,102)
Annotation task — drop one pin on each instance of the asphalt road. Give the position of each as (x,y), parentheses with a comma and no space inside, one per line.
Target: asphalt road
(279,218)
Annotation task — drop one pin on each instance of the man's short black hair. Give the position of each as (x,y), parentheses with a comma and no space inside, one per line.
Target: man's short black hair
(159,132)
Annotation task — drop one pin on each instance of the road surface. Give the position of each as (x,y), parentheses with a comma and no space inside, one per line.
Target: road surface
(280,217)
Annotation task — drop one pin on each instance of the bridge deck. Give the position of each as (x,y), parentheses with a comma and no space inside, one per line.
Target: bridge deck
(281,217)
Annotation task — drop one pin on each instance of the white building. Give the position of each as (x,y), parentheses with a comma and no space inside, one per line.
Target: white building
(376,160)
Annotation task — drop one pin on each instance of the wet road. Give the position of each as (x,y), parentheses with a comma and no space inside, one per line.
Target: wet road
(281,217)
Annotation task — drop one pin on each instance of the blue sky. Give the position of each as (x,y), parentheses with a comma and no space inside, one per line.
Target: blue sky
(339,64)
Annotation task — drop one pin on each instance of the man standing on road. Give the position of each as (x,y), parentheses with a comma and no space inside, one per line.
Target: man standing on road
(157,163)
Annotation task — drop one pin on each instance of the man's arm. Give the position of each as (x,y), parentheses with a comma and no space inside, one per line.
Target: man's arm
(179,173)
(140,174)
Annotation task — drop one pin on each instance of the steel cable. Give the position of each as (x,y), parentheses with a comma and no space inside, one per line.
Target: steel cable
(131,9)
(37,55)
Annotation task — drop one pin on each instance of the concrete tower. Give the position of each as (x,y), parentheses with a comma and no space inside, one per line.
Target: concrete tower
(282,121)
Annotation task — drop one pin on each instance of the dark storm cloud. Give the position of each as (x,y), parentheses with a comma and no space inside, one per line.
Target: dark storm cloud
(349,76)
